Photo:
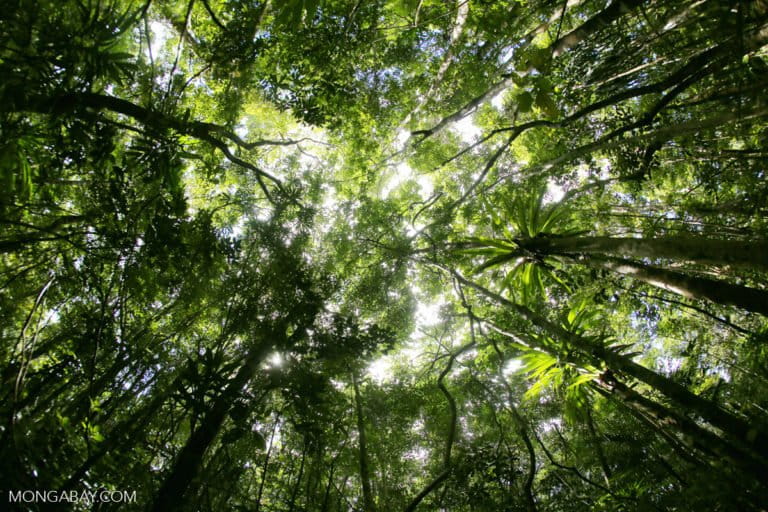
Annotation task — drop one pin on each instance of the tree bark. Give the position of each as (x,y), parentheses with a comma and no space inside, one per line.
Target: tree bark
(265,468)
(365,477)
(297,485)
(700,250)
(694,435)
(171,494)
(739,432)
(692,287)
(614,11)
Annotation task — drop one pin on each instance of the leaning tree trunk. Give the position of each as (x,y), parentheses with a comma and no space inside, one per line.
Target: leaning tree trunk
(693,435)
(188,463)
(739,432)
(700,250)
(692,287)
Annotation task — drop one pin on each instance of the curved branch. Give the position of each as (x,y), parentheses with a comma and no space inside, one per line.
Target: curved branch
(614,11)
(522,430)
(575,471)
(434,484)
(206,132)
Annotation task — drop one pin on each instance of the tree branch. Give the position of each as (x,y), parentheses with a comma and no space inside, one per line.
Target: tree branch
(605,17)
(206,132)
(434,484)
(213,15)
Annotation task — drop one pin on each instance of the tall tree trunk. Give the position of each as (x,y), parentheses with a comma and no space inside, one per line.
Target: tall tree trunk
(331,471)
(598,448)
(297,485)
(614,11)
(365,477)
(265,468)
(187,465)
(740,432)
(685,452)
(693,435)
(328,486)
(692,287)
(678,248)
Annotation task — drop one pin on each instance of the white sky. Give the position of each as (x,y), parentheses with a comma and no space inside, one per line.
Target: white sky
(427,315)
(159,35)
(467,129)
(554,192)
(403,173)
(498,100)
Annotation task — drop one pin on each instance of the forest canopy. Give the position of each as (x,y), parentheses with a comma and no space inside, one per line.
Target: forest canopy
(369,255)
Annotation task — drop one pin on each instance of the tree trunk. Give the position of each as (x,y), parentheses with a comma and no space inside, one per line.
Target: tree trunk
(265,468)
(187,465)
(692,287)
(328,486)
(331,471)
(615,10)
(297,485)
(738,430)
(365,477)
(693,435)
(700,250)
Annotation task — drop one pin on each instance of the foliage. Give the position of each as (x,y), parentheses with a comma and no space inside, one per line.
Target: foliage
(416,255)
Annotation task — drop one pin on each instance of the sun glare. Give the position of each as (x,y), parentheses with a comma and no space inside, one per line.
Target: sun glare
(275,360)
(381,369)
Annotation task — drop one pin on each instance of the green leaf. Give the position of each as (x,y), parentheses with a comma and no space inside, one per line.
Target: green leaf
(524,102)
(500,244)
(259,440)
(498,260)
(582,379)
(547,105)
(537,363)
